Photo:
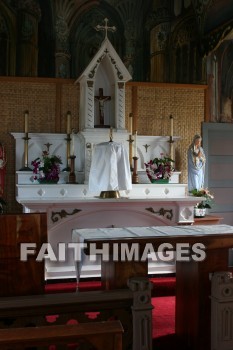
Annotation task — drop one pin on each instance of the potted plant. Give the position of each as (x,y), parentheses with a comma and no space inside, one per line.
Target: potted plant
(159,170)
(47,169)
(204,203)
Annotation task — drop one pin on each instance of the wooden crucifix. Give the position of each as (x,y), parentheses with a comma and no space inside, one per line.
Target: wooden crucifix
(101,100)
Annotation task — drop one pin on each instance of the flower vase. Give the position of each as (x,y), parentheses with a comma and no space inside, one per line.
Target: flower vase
(44,180)
(199,212)
(160,181)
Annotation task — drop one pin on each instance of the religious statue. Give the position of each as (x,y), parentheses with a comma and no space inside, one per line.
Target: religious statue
(196,164)
(101,100)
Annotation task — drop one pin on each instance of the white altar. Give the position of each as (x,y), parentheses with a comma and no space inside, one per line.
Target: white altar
(71,206)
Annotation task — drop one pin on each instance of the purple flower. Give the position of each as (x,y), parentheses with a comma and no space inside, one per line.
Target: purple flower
(47,168)
(159,168)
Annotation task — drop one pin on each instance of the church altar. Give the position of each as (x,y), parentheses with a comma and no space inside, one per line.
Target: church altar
(70,204)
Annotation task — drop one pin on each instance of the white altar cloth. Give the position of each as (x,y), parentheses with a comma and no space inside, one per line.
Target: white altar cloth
(110,169)
(79,235)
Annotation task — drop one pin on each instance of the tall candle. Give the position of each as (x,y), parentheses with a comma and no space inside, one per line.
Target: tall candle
(26,122)
(171,118)
(135,144)
(68,122)
(131,123)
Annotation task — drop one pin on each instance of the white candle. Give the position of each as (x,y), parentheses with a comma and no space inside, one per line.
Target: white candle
(135,144)
(68,123)
(26,122)
(171,118)
(131,123)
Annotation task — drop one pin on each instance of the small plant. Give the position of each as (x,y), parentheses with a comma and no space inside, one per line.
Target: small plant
(208,198)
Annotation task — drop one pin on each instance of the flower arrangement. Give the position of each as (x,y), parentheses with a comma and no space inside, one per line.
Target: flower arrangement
(159,168)
(208,198)
(47,169)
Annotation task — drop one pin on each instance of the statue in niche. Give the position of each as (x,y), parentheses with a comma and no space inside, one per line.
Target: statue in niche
(101,100)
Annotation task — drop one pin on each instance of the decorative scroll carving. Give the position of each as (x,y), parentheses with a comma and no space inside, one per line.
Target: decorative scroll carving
(94,69)
(56,215)
(118,72)
(168,213)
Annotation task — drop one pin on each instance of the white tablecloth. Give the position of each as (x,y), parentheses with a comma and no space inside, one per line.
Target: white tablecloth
(153,231)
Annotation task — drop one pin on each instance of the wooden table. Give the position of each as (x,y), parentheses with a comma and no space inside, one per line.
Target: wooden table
(193,286)
(208,220)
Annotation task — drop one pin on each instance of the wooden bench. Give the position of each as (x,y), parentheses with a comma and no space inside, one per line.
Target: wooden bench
(101,335)
(132,307)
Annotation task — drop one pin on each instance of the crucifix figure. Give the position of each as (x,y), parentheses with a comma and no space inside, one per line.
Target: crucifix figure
(101,99)
(48,146)
(146,147)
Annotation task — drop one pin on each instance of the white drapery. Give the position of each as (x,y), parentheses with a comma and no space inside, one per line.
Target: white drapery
(110,168)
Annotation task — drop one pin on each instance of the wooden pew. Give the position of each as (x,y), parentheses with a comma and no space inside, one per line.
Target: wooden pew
(132,307)
(101,335)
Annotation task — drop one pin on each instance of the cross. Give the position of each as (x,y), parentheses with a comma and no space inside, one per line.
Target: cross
(48,146)
(106,28)
(101,99)
(146,146)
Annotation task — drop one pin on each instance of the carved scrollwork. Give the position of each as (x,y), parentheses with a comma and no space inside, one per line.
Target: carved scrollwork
(168,213)
(56,215)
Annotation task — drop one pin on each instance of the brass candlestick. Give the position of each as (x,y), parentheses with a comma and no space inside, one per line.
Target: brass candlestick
(171,142)
(68,160)
(135,168)
(110,135)
(72,177)
(131,151)
(26,167)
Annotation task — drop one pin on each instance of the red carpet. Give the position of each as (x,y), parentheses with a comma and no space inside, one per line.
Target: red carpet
(163,316)
(162,286)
